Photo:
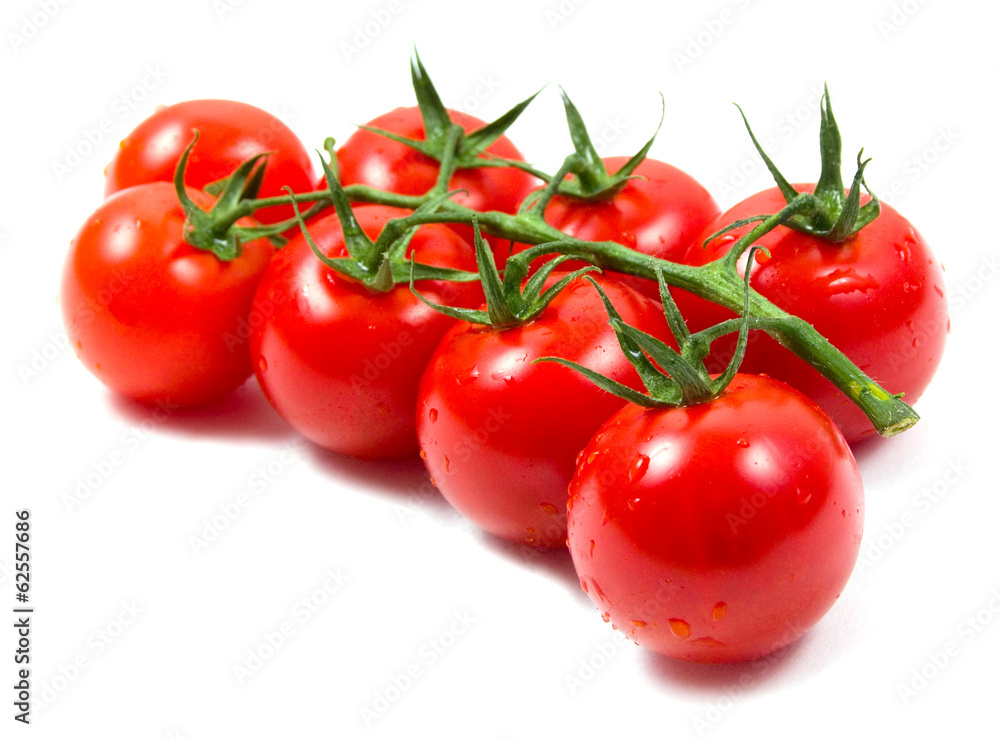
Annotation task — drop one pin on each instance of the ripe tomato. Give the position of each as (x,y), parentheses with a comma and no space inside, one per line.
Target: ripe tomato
(659,214)
(229,134)
(499,434)
(878,297)
(152,317)
(339,361)
(367,158)
(720,531)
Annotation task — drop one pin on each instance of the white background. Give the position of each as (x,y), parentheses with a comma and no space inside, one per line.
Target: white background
(159,628)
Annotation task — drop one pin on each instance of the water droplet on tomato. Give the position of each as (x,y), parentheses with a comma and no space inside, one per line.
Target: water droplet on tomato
(423,454)
(638,468)
(639,624)
(592,456)
(707,641)
(549,508)
(719,611)
(447,464)
(679,627)
(583,584)
(742,443)
(432,414)
(592,547)
(579,457)
(597,589)
(844,513)
(262,364)
(632,503)
(606,616)
(938,290)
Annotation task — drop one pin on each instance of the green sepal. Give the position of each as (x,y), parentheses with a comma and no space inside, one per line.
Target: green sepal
(834,216)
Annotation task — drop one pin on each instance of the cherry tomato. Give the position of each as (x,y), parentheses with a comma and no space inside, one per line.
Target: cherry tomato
(370,159)
(659,213)
(341,362)
(499,434)
(152,317)
(878,297)
(229,134)
(721,531)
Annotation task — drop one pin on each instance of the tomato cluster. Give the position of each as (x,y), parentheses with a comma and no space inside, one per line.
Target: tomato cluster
(711,515)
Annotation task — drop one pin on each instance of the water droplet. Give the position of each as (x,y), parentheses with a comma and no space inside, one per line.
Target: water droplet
(423,454)
(447,464)
(844,513)
(606,616)
(804,496)
(633,502)
(579,457)
(583,584)
(432,414)
(639,624)
(719,611)
(138,223)
(592,456)
(742,443)
(639,466)
(939,291)
(707,641)
(591,547)
(598,591)
(848,281)
(474,372)
(262,364)
(549,508)
(679,627)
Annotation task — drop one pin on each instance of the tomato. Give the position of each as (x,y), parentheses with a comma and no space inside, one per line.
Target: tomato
(659,213)
(368,158)
(341,362)
(878,297)
(152,317)
(499,434)
(229,134)
(720,531)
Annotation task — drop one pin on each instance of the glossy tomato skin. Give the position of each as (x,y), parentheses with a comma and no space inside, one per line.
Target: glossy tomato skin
(659,213)
(879,297)
(341,362)
(367,158)
(230,132)
(499,435)
(152,317)
(718,532)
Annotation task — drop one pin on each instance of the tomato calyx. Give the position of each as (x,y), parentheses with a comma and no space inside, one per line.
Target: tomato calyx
(215,230)
(468,150)
(834,216)
(514,299)
(683,379)
(381,264)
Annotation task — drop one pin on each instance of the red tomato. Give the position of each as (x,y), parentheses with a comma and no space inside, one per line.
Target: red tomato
(341,362)
(717,532)
(658,214)
(229,134)
(878,297)
(367,158)
(499,435)
(152,317)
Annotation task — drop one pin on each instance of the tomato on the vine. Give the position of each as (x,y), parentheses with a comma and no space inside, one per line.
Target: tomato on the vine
(341,361)
(878,297)
(719,531)
(368,158)
(499,435)
(151,316)
(659,212)
(229,133)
